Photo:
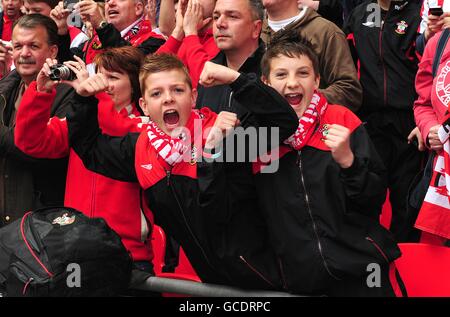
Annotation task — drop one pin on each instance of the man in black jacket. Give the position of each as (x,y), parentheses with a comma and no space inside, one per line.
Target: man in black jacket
(384,44)
(237,27)
(27,183)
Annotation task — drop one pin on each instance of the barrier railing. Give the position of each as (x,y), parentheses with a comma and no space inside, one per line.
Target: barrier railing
(196,289)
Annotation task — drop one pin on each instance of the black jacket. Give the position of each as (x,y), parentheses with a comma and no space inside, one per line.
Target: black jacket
(324,220)
(27,183)
(386,54)
(331,10)
(224,246)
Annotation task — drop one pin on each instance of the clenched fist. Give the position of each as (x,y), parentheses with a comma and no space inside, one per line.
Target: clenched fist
(337,138)
(214,75)
(224,124)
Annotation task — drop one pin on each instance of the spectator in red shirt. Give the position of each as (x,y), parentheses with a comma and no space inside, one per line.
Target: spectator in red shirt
(11,12)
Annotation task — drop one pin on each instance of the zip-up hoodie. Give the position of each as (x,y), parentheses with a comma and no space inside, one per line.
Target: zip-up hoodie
(93,194)
(338,78)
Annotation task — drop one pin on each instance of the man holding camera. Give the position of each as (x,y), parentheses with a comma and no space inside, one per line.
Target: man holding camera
(26,183)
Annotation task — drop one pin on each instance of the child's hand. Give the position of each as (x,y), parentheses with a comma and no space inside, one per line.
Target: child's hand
(214,75)
(337,138)
(224,124)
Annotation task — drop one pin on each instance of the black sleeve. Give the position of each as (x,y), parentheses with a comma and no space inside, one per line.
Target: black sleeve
(8,148)
(420,43)
(106,155)
(365,182)
(111,37)
(266,107)
(332,11)
(213,197)
(64,52)
(348,30)
(151,45)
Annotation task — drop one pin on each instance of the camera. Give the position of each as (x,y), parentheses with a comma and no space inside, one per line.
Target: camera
(61,72)
(68,4)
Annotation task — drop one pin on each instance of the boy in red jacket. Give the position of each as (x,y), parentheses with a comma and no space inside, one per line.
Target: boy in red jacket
(222,246)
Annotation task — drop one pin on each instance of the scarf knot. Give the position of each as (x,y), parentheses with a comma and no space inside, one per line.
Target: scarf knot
(173,149)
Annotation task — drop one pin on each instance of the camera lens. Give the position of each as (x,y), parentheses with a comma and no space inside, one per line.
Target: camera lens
(61,72)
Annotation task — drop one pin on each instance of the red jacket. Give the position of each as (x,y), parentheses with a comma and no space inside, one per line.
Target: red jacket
(93,194)
(430,110)
(432,101)
(194,51)
(77,37)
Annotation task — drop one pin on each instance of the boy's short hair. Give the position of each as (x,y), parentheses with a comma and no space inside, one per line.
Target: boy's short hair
(156,63)
(290,44)
(51,3)
(125,60)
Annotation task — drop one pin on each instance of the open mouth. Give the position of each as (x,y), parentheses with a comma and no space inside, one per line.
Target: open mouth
(113,13)
(171,117)
(294,99)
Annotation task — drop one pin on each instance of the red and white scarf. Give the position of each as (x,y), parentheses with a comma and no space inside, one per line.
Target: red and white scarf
(173,149)
(306,127)
(434,215)
(140,32)
(307,122)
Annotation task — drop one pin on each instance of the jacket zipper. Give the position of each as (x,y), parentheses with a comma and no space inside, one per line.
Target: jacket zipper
(168,174)
(256,271)
(382,61)
(378,248)
(94,185)
(283,278)
(319,244)
(25,288)
(229,101)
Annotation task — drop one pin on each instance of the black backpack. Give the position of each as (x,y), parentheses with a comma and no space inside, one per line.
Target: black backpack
(58,251)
